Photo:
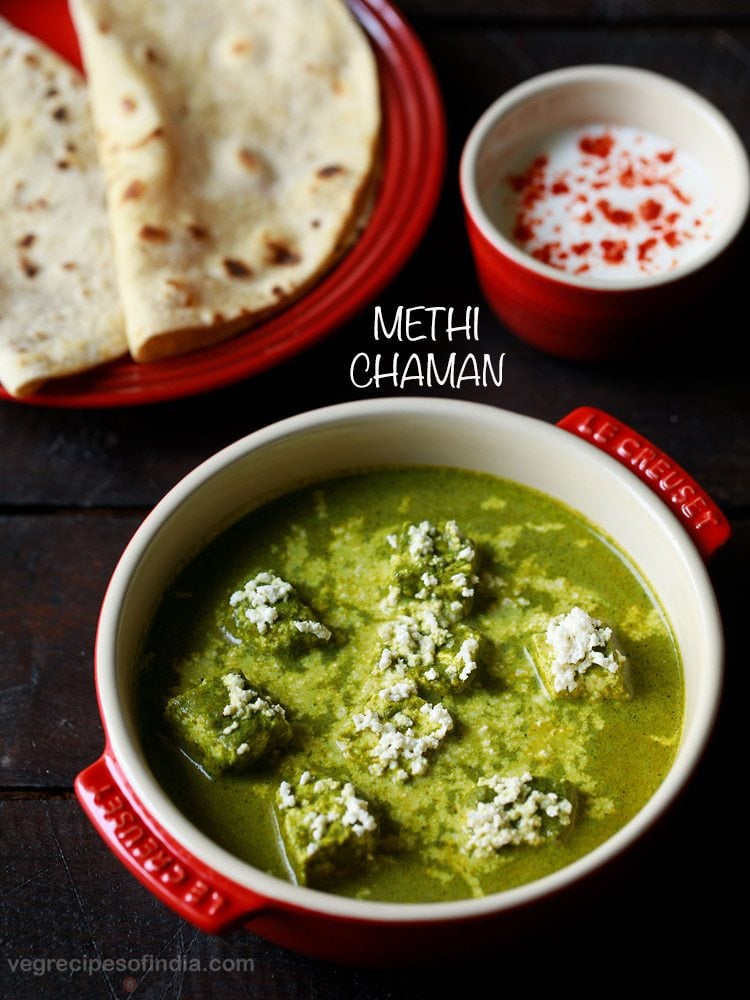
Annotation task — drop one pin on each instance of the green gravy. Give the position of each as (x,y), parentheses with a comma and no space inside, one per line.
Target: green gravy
(537,558)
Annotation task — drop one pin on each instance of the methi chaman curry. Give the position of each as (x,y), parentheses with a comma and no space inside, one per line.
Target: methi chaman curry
(410,684)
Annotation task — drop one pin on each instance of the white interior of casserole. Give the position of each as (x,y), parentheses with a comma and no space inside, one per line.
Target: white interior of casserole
(405,431)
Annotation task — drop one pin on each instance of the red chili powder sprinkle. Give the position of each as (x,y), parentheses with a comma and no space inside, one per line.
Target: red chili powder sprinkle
(650,210)
(677,193)
(547,252)
(617,168)
(523,232)
(614,250)
(523,181)
(617,216)
(597,145)
(645,248)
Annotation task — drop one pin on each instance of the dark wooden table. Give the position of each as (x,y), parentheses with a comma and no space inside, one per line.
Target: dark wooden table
(76,484)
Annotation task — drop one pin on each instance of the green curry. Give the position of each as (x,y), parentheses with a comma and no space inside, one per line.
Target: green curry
(410,685)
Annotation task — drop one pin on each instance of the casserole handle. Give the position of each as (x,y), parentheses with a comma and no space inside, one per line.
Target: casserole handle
(197,893)
(705,523)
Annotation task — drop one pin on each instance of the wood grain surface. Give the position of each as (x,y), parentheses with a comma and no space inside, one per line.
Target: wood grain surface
(75,485)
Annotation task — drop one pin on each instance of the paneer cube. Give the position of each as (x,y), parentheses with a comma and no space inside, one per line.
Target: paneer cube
(397,731)
(577,658)
(428,564)
(226,725)
(455,665)
(328,832)
(517,809)
(437,659)
(268,612)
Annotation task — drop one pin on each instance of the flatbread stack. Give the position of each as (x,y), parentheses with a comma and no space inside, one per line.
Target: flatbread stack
(236,143)
(59,305)
(237,139)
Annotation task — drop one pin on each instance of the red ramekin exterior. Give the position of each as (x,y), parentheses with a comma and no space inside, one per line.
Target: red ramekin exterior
(571,321)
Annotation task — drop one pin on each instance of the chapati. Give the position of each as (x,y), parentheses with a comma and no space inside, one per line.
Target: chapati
(59,303)
(238,138)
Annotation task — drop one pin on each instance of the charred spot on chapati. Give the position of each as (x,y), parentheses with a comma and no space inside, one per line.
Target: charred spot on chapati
(136,189)
(198,232)
(156,133)
(280,253)
(153,234)
(29,268)
(237,268)
(249,160)
(185,293)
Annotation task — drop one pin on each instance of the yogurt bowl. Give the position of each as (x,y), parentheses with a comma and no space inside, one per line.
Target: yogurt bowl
(598,201)
(214,889)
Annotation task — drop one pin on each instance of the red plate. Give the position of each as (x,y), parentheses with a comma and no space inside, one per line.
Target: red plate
(413,160)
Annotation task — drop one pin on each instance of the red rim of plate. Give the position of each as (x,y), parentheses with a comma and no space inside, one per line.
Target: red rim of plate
(413,164)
